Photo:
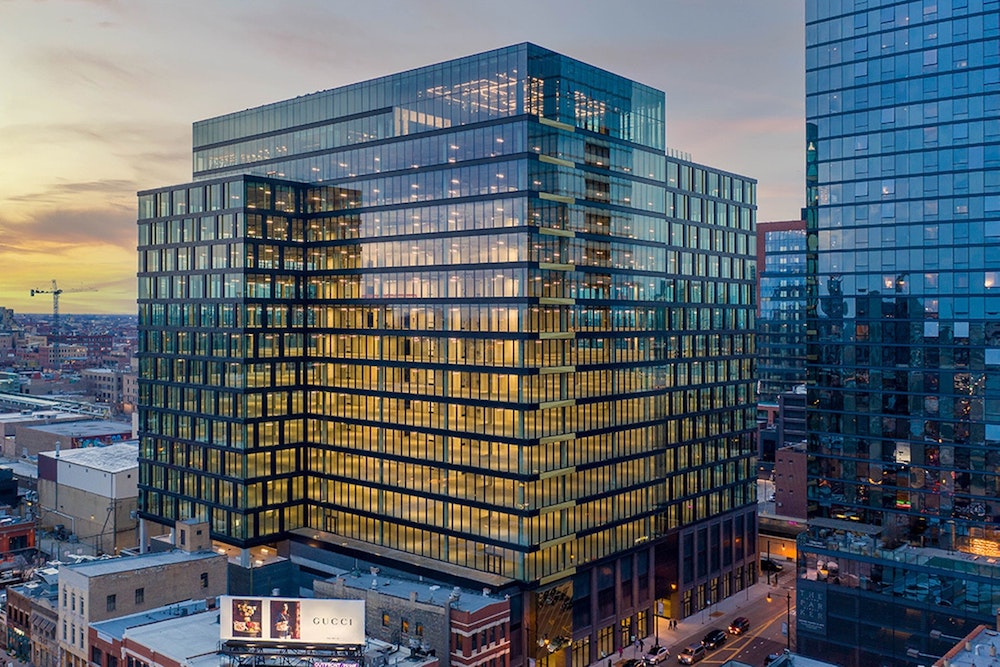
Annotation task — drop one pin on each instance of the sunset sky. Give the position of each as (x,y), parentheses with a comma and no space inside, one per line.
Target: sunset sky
(98,97)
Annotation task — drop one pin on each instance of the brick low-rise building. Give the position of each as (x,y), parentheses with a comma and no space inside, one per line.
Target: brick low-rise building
(791,481)
(32,619)
(461,628)
(169,636)
(103,589)
(104,384)
(31,440)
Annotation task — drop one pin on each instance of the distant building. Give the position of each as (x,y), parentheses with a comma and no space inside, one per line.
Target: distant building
(9,421)
(97,590)
(95,346)
(104,384)
(31,440)
(791,420)
(785,425)
(130,387)
(54,356)
(94,492)
(7,321)
(781,308)
(791,481)
(10,383)
(51,382)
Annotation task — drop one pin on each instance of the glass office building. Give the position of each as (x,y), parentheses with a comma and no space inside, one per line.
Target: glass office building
(902,102)
(471,320)
(781,308)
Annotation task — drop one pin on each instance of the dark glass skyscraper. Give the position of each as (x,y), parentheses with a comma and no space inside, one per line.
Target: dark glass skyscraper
(473,321)
(902,102)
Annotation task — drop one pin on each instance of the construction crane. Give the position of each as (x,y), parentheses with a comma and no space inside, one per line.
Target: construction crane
(55,292)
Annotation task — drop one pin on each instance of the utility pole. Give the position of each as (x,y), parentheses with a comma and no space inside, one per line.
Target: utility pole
(788,621)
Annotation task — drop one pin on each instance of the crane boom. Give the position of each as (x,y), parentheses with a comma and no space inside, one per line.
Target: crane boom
(55,292)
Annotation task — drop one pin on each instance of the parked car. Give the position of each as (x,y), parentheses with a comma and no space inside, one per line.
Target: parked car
(768,565)
(691,654)
(656,654)
(771,657)
(714,639)
(739,625)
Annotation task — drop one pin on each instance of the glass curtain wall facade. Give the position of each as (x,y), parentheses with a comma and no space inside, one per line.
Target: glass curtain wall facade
(781,308)
(471,313)
(902,106)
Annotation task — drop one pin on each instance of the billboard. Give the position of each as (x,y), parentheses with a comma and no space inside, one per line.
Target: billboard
(292,620)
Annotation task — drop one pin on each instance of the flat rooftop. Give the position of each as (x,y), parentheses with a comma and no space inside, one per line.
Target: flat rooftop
(426,591)
(110,458)
(117,627)
(395,584)
(180,638)
(981,646)
(24,468)
(38,415)
(103,566)
(84,429)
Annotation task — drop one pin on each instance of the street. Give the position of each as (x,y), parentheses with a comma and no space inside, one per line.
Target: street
(764,636)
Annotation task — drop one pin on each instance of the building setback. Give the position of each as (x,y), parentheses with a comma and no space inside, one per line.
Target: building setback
(902,103)
(470,319)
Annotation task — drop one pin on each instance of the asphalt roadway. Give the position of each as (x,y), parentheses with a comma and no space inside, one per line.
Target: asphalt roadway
(765,636)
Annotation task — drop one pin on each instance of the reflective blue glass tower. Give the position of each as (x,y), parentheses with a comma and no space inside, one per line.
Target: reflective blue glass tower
(470,320)
(781,307)
(902,101)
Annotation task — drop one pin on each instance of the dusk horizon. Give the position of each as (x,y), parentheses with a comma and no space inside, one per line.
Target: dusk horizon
(103,99)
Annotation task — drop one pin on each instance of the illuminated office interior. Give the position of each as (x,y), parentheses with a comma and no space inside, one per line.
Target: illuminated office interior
(475,314)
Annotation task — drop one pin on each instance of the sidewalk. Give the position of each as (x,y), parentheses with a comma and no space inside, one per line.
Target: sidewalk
(694,626)
(717,615)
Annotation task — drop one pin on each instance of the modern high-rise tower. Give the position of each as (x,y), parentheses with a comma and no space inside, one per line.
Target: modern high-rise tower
(471,321)
(781,308)
(903,118)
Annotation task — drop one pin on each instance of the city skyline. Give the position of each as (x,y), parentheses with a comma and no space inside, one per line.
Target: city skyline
(101,98)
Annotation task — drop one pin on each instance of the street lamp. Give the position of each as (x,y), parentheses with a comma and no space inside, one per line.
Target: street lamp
(769,562)
(788,618)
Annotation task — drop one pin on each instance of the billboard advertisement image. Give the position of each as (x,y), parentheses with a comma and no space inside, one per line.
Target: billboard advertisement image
(292,620)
